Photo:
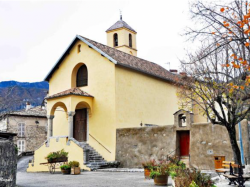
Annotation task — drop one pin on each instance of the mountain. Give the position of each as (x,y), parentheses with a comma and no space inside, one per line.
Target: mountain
(6,84)
(14,95)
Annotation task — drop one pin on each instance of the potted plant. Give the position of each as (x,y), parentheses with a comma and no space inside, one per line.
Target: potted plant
(75,169)
(192,178)
(59,156)
(62,156)
(51,157)
(148,165)
(66,169)
(160,173)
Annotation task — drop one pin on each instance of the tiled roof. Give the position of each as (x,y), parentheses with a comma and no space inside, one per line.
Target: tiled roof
(37,111)
(122,59)
(120,24)
(133,62)
(72,91)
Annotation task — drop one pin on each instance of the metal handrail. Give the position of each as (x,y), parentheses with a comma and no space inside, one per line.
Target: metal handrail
(100,143)
(172,152)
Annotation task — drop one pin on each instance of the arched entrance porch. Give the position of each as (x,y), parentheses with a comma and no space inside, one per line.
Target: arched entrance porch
(81,122)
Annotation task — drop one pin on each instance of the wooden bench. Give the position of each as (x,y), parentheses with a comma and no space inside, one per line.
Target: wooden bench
(225,167)
(239,178)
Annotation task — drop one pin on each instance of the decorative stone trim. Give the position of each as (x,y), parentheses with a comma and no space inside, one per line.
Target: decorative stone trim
(71,113)
(75,141)
(50,116)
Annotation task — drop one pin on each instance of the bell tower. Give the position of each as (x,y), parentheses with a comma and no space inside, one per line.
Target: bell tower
(122,37)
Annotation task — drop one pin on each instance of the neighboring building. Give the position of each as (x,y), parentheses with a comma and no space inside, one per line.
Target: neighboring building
(30,125)
(96,89)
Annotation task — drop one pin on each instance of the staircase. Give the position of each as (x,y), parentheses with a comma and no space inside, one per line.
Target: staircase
(93,159)
(185,160)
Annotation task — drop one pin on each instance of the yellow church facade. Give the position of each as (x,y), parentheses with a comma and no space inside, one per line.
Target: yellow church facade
(96,89)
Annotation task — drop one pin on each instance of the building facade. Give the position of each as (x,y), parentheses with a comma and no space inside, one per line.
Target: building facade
(29,124)
(96,89)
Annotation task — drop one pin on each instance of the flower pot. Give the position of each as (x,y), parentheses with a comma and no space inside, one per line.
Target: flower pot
(179,181)
(147,173)
(161,180)
(75,170)
(66,171)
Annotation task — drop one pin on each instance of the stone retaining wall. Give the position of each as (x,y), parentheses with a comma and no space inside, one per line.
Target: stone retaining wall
(135,145)
(8,163)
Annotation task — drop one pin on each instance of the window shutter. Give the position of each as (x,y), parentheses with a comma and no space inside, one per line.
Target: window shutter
(21,129)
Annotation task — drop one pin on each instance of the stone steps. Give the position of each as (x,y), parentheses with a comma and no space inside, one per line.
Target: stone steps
(185,160)
(93,159)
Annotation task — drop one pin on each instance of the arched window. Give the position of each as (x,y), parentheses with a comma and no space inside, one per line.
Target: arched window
(82,76)
(130,40)
(115,39)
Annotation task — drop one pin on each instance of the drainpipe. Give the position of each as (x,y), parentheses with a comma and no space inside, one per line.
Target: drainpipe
(241,145)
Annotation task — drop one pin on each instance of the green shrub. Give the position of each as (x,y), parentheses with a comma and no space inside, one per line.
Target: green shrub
(65,166)
(194,177)
(74,164)
(160,169)
(62,153)
(58,154)
(51,156)
(175,164)
(193,184)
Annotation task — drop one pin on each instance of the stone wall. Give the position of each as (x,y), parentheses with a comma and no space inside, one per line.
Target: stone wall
(8,161)
(207,141)
(35,134)
(135,145)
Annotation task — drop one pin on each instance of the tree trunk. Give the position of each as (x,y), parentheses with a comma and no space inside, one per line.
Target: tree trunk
(234,144)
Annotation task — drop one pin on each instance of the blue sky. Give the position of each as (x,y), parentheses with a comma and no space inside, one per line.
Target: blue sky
(34,34)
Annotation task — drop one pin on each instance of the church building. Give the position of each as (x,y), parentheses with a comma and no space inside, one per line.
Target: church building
(96,89)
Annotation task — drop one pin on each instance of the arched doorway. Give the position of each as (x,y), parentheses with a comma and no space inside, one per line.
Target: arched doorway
(80,126)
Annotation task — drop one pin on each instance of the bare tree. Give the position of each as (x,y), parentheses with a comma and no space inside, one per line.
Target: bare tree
(218,75)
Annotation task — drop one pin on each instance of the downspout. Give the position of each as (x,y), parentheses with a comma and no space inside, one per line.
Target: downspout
(241,145)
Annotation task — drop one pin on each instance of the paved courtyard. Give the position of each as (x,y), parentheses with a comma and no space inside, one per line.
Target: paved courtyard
(87,179)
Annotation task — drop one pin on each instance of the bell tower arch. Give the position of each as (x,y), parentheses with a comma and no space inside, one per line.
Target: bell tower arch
(122,37)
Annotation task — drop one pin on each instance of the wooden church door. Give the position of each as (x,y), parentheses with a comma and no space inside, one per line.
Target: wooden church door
(80,125)
(184,143)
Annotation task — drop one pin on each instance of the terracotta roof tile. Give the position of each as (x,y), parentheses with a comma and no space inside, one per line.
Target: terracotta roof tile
(120,24)
(72,91)
(133,62)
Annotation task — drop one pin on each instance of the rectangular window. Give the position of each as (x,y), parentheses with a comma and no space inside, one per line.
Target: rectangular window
(21,129)
(21,146)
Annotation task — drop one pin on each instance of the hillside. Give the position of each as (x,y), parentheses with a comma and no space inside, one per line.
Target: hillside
(14,95)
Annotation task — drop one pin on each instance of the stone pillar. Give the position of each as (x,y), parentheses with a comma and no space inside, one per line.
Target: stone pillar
(71,122)
(50,126)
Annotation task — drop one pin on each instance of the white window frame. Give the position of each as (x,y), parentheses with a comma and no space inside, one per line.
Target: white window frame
(21,146)
(21,129)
